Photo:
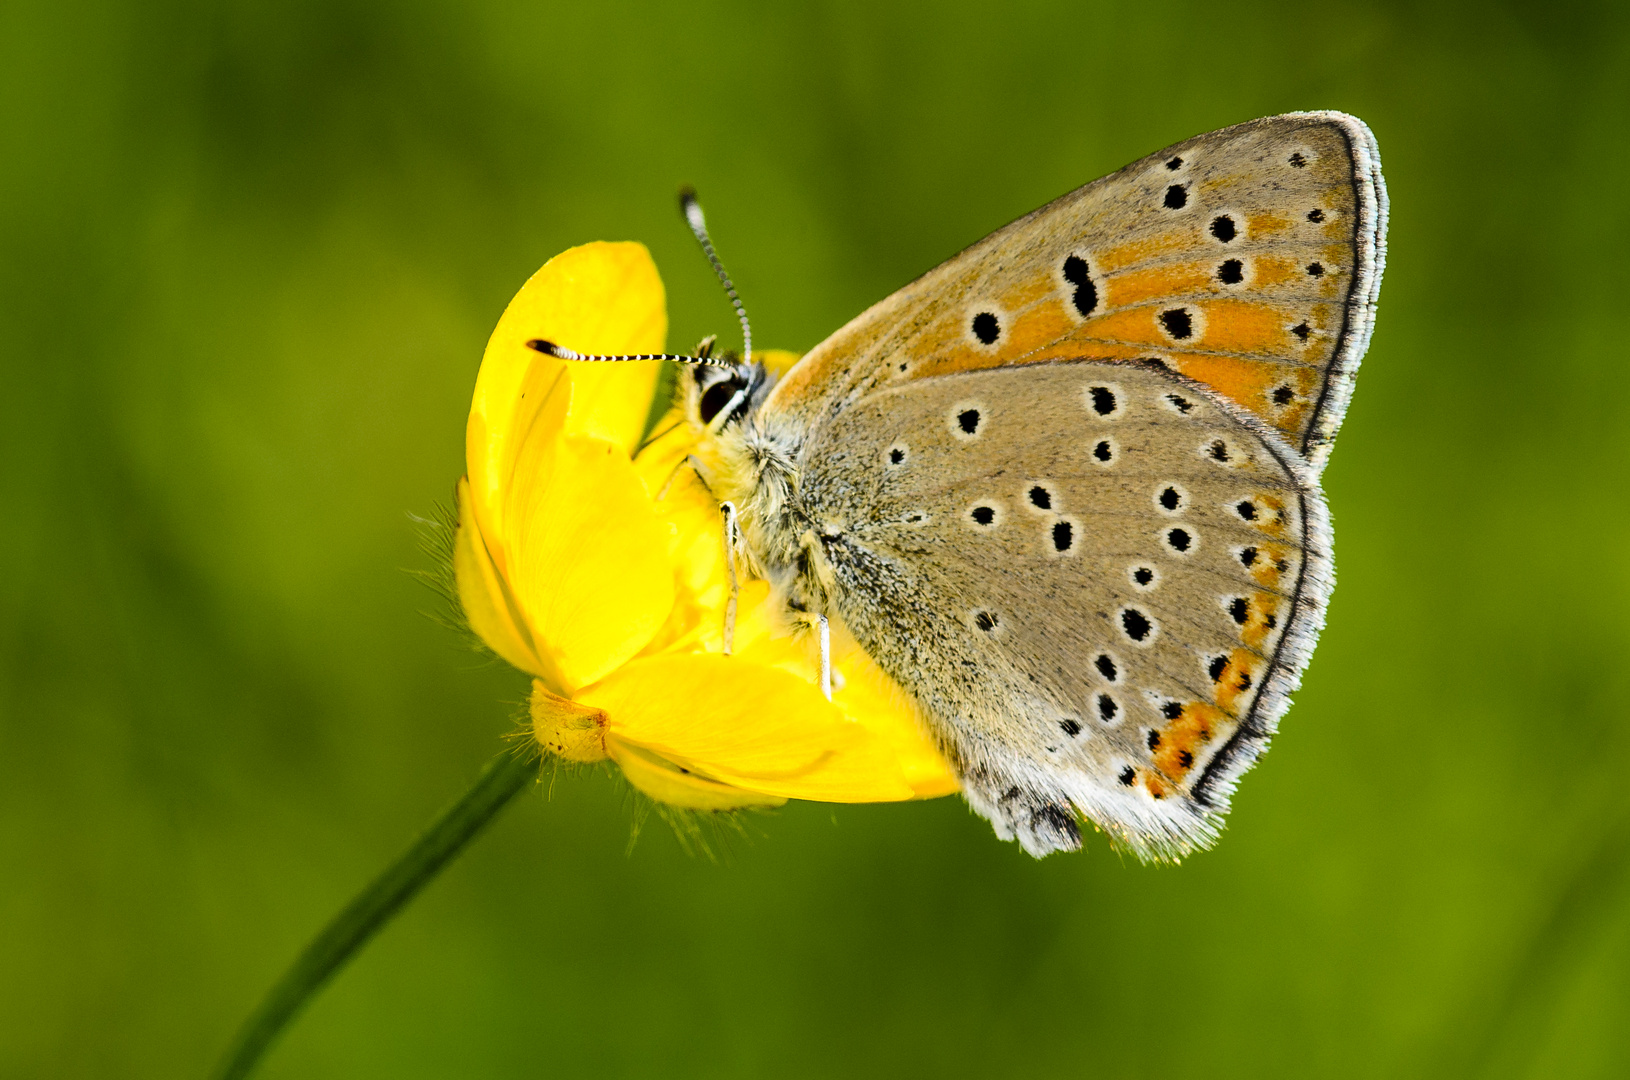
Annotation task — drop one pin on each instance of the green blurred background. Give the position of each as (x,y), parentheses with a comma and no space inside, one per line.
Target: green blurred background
(249,256)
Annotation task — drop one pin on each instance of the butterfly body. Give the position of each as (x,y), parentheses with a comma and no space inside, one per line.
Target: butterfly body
(1063,489)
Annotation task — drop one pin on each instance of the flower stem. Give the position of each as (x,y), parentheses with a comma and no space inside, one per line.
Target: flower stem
(367,914)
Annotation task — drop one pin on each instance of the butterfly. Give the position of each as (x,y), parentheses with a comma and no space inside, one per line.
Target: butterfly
(1064,488)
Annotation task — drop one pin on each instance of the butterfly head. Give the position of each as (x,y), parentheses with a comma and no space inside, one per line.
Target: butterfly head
(721,396)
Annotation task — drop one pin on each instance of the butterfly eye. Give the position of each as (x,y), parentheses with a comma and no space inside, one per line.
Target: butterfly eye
(716,397)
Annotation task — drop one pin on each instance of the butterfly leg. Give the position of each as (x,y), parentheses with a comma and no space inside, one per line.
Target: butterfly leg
(826,658)
(732,536)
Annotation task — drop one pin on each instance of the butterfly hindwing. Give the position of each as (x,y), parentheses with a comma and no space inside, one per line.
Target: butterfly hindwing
(1247,259)
(1099,579)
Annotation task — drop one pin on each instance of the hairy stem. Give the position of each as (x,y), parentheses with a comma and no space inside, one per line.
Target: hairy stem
(366,915)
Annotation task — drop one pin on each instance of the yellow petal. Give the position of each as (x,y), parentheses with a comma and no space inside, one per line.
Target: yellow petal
(489,607)
(600,297)
(876,702)
(747,725)
(565,728)
(589,562)
(666,782)
(861,690)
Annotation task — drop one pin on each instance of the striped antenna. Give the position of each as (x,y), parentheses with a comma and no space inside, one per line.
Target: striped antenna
(560,352)
(698,225)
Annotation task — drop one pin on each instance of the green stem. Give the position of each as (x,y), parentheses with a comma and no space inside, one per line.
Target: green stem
(364,916)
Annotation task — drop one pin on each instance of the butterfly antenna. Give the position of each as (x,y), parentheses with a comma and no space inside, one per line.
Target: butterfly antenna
(698,225)
(560,352)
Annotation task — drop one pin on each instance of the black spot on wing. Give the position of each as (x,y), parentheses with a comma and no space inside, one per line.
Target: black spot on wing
(1136,624)
(1085,294)
(1178,322)
(986,328)
(1177,197)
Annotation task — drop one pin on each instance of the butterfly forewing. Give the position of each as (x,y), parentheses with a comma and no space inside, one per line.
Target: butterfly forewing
(1247,259)
(1098,578)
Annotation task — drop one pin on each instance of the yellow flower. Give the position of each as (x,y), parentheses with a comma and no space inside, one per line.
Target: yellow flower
(597,567)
